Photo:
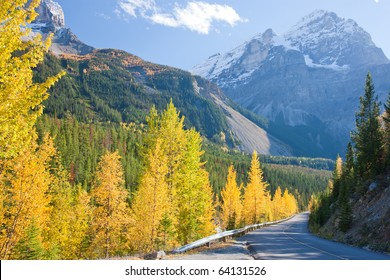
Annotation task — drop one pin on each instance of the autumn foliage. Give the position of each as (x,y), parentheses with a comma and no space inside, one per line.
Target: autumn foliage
(45,214)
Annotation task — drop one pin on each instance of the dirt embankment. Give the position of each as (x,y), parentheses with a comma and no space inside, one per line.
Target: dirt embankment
(371,219)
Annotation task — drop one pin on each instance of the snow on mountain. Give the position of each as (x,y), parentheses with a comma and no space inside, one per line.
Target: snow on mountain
(51,19)
(324,40)
(306,82)
(241,62)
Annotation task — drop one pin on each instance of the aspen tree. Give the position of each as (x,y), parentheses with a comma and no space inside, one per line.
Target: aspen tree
(193,195)
(110,214)
(277,204)
(231,201)
(20,98)
(255,203)
(151,204)
(26,179)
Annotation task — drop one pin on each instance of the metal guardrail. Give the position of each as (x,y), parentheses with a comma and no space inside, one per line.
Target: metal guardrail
(224,236)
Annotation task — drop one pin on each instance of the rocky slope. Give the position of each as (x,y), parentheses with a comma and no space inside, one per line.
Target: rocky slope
(51,19)
(371,215)
(307,82)
(116,86)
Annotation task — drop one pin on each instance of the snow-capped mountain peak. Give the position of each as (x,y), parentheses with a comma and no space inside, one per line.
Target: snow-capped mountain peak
(239,63)
(323,39)
(50,17)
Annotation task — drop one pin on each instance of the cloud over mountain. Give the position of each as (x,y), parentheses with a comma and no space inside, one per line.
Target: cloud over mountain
(197,16)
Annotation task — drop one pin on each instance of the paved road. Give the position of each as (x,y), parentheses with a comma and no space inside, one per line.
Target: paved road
(291,240)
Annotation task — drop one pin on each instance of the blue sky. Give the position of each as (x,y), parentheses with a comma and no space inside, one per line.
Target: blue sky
(183,33)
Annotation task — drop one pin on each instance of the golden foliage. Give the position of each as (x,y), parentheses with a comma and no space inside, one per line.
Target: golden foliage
(20,97)
(110,212)
(151,204)
(256,202)
(231,201)
(25,183)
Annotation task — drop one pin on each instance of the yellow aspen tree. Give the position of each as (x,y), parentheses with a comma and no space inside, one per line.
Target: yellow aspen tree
(151,205)
(255,204)
(110,213)
(79,226)
(20,97)
(26,180)
(70,215)
(290,204)
(231,201)
(338,171)
(277,204)
(58,231)
(173,142)
(193,197)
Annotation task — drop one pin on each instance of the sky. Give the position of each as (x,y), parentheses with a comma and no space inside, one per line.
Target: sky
(183,33)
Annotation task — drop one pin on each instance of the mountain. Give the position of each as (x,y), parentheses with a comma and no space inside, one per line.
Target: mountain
(112,85)
(51,19)
(306,82)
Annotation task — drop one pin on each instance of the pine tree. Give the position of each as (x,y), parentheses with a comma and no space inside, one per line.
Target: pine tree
(30,246)
(255,204)
(367,136)
(110,214)
(20,97)
(345,215)
(151,205)
(231,201)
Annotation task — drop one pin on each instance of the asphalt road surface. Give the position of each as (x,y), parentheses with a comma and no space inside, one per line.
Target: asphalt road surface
(291,240)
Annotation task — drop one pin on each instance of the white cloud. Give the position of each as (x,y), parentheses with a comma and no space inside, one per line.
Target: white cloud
(131,7)
(376,1)
(196,16)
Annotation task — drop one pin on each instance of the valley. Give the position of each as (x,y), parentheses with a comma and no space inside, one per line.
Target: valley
(104,154)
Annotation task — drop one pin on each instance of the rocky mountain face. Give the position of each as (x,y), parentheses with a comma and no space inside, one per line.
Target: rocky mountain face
(306,82)
(51,19)
(122,87)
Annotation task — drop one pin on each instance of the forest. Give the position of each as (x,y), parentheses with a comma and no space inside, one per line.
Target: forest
(82,177)
(367,161)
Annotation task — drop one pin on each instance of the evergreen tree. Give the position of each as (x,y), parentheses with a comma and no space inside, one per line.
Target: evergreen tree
(345,215)
(368,136)
(30,246)
(231,201)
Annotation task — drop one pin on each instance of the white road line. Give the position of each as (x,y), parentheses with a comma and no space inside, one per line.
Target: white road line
(309,246)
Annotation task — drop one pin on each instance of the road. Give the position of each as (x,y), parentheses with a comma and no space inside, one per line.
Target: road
(291,240)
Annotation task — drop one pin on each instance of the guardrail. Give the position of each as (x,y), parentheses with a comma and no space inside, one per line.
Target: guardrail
(223,236)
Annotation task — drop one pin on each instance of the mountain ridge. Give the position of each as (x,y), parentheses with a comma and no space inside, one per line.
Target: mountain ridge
(307,81)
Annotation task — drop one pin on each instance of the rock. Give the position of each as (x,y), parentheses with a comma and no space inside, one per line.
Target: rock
(372,186)
(51,19)
(155,255)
